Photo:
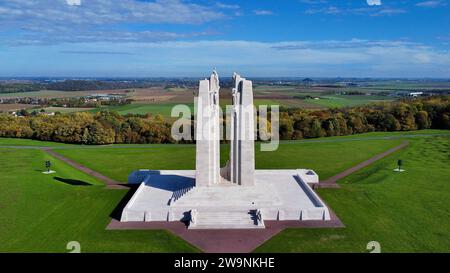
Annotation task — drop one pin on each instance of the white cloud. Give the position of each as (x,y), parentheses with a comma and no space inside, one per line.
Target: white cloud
(73,2)
(263,12)
(374,2)
(50,21)
(98,12)
(365,11)
(227,6)
(356,57)
(313,2)
(431,4)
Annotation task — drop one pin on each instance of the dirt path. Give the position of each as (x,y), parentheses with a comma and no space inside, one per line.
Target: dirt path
(328,183)
(331,182)
(110,183)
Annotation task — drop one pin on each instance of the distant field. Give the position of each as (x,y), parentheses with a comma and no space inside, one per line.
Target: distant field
(163,109)
(338,101)
(298,103)
(402,85)
(64,109)
(160,100)
(43,94)
(58,94)
(15,106)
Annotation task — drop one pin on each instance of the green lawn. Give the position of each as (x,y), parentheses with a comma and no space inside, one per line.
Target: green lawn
(407,211)
(39,213)
(327,158)
(375,135)
(30,142)
(404,212)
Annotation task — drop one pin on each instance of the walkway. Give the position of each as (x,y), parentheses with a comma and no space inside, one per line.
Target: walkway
(229,240)
(331,182)
(110,183)
(224,241)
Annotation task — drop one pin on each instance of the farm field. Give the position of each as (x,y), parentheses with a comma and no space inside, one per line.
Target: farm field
(64,109)
(46,94)
(338,101)
(14,107)
(408,85)
(163,109)
(397,209)
(161,99)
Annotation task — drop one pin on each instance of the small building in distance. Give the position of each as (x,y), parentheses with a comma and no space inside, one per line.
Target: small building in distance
(412,94)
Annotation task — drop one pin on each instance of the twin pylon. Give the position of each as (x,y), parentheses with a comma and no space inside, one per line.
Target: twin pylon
(240,167)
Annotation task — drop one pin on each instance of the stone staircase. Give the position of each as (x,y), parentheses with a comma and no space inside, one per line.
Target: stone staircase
(178,194)
(228,195)
(225,219)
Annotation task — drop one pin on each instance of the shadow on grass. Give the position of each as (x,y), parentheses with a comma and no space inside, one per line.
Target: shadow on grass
(117,212)
(72,182)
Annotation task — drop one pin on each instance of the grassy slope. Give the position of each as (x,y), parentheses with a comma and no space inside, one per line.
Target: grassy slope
(377,135)
(404,212)
(327,158)
(41,214)
(372,203)
(30,142)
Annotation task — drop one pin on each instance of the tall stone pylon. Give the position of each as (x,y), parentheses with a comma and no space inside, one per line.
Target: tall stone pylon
(241,166)
(208,133)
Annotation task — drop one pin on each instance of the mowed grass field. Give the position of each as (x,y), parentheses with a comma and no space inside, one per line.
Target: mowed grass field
(42,213)
(405,212)
(326,158)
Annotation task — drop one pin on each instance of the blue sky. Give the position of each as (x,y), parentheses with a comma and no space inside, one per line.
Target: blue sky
(304,38)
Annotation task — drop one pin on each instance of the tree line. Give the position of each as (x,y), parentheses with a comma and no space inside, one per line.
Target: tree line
(109,127)
(91,85)
(402,115)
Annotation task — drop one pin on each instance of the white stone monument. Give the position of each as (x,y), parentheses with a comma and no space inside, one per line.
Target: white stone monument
(208,133)
(240,169)
(236,196)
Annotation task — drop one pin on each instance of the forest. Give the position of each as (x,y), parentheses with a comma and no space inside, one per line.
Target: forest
(109,127)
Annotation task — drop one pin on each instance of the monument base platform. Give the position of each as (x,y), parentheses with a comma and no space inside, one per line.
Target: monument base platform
(277,195)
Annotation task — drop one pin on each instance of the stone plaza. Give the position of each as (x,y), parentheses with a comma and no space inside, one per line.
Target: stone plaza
(235,196)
